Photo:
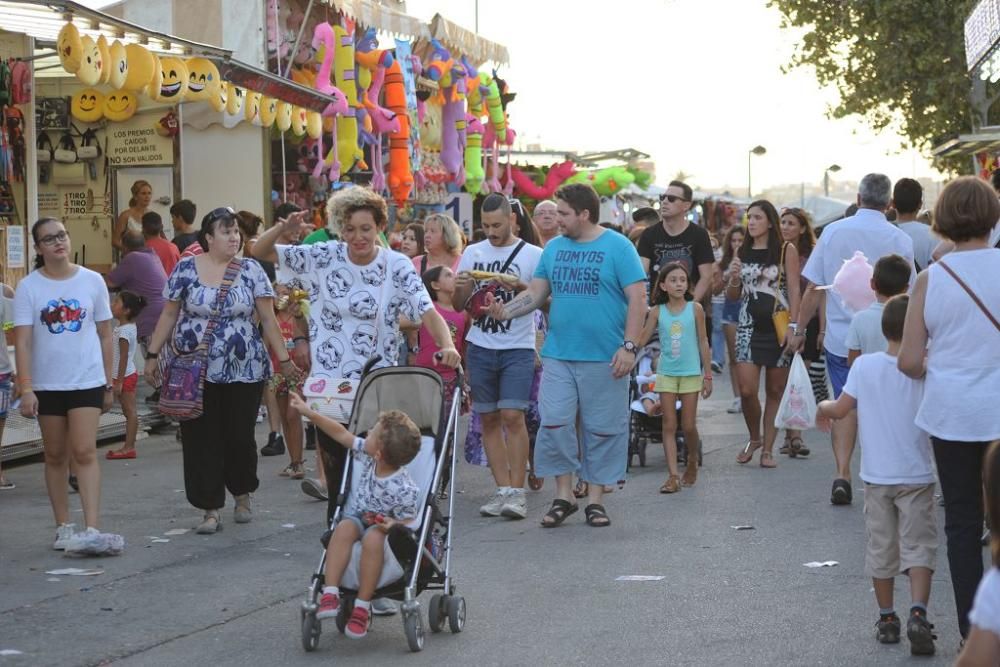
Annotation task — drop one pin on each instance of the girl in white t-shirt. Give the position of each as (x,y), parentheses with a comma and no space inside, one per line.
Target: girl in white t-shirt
(983,644)
(126,307)
(62,332)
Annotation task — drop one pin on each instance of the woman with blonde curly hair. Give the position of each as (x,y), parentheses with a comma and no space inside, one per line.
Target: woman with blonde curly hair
(358,291)
(443,244)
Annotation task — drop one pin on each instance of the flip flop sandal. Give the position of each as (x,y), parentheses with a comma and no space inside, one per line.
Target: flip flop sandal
(597,517)
(113,455)
(558,512)
(798,448)
(767,460)
(535,483)
(672,485)
(581,490)
(746,456)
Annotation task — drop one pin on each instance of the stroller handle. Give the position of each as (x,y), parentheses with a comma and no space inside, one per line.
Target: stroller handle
(458,369)
(370,364)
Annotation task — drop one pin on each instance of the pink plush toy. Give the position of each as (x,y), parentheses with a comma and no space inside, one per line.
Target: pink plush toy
(853,283)
(557,174)
(324,36)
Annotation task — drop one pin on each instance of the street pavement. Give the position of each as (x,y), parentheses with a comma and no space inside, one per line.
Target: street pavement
(534,596)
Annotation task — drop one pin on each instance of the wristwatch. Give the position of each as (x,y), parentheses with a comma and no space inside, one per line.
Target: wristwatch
(152,355)
(629,346)
(109,387)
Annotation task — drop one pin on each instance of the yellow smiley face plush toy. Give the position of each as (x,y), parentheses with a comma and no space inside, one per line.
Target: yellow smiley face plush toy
(298,121)
(117,64)
(283,120)
(268,111)
(91,64)
(105,51)
(175,80)
(70,50)
(219,99)
(235,97)
(141,64)
(120,105)
(251,108)
(203,80)
(87,106)
(314,124)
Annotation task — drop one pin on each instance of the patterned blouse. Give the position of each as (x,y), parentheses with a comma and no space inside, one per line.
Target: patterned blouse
(236,352)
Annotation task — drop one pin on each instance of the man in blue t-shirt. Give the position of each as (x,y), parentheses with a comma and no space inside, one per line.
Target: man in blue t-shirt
(598,291)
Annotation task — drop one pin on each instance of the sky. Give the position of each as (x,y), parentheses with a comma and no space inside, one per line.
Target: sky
(694,83)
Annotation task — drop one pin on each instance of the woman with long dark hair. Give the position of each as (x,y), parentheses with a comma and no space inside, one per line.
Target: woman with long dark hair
(796,228)
(766,275)
(130,220)
(731,244)
(62,333)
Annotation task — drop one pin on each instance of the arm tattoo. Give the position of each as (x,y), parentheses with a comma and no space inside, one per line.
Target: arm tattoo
(522,304)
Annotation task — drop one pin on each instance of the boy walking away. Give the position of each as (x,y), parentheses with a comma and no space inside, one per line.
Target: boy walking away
(890,277)
(899,480)
(386,495)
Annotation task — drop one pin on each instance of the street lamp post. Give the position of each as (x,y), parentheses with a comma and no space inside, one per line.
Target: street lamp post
(826,178)
(756,150)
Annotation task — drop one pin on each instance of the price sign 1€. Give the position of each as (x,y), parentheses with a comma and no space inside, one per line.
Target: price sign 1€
(459,207)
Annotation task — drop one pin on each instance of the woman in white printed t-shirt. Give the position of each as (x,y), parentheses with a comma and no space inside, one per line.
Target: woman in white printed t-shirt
(62,331)
(952,331)
(357,294)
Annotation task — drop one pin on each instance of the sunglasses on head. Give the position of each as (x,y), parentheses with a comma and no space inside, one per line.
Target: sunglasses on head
(516,204)
(673,199)
(221,213)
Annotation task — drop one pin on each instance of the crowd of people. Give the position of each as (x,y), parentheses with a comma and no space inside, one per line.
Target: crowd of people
(549,391)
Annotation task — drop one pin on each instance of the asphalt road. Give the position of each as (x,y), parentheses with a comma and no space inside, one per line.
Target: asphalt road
(534,596)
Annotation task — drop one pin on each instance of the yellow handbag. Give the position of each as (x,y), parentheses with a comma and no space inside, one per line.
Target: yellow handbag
(781,318)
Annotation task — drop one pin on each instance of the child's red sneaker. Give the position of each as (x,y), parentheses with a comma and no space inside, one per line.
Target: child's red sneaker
(357,626)
(329,606)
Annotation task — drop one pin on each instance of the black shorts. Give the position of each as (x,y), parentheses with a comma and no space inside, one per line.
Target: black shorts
(59,403)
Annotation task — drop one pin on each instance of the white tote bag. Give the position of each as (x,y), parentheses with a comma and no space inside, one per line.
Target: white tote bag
(797,410)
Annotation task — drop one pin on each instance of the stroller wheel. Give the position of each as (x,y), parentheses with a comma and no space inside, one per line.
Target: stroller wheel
(413,625)
(437,612)
(310,631)
(456,613)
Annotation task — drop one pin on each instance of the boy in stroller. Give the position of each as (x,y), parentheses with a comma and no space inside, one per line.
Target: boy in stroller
(385,496)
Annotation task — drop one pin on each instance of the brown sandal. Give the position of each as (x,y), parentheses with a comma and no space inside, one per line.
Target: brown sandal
(746,456)
(767,460)
(535,483)
(798,448)
(672,485)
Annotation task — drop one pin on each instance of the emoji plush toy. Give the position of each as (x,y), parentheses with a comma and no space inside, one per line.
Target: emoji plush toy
(251,107)
(141,64)
(299,116)
(283,120)
(91,65)
(234,99)
(268,111)
(102,47)
(219,99)
(69,47)
(87,106)
(203,79)
(120,105)
(117,65)
(175,81)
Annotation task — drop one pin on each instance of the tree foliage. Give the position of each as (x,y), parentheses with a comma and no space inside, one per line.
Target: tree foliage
(897,63)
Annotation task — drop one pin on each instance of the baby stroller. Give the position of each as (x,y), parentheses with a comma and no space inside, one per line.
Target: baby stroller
(645,428)
(417,556)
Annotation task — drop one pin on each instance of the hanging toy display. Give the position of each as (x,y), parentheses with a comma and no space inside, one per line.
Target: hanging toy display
(87,105)
(118,64)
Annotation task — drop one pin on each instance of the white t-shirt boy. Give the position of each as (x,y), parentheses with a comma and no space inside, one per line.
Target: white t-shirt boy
(515,334)
(129,334)
(893,449)
(985,613)
(865,331)
(63,316)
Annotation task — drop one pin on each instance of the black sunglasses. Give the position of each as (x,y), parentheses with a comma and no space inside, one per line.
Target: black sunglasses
(516,204)
(221,213)
(673,199)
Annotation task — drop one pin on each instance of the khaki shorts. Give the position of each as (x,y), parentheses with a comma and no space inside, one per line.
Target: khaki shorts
(902,528)
(671,384)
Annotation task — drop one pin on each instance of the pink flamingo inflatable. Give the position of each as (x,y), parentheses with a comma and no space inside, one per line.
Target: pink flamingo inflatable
(323,36)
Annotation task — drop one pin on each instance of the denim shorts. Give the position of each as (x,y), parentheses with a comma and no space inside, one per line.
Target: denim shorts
(731,312)
(5,390)
(500,379)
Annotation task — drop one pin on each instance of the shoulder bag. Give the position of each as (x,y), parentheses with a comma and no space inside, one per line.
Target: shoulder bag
(183,391)
(781,317)
(968,290)
(476,304)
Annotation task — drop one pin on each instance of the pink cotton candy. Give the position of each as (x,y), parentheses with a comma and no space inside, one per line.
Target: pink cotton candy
(853,283)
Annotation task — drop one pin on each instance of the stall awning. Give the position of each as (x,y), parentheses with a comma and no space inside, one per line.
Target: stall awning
(43,19)
(969,144)
(478,50)
(383,17)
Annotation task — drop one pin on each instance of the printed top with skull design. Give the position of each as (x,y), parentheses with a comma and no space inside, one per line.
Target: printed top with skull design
(354,310)
(236,352)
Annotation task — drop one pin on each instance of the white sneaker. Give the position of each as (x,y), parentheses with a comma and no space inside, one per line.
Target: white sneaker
(384,607)
(495,504)
(516,505)
(64,534)
(736,407)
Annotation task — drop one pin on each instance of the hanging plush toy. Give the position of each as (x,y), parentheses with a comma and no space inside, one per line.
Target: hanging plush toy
(69,48)
(314,124)
(268,111)
(202,80)
(235,97)
(324,43)
(558,173)
(474,173)
(283,117)
(174,83)
(120,105)
(91,65)
(118,64)
(105,51)
(400,176)
(348,152)
(141,64)
(219,100)
(298,121)
(87,105)
(251,107)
